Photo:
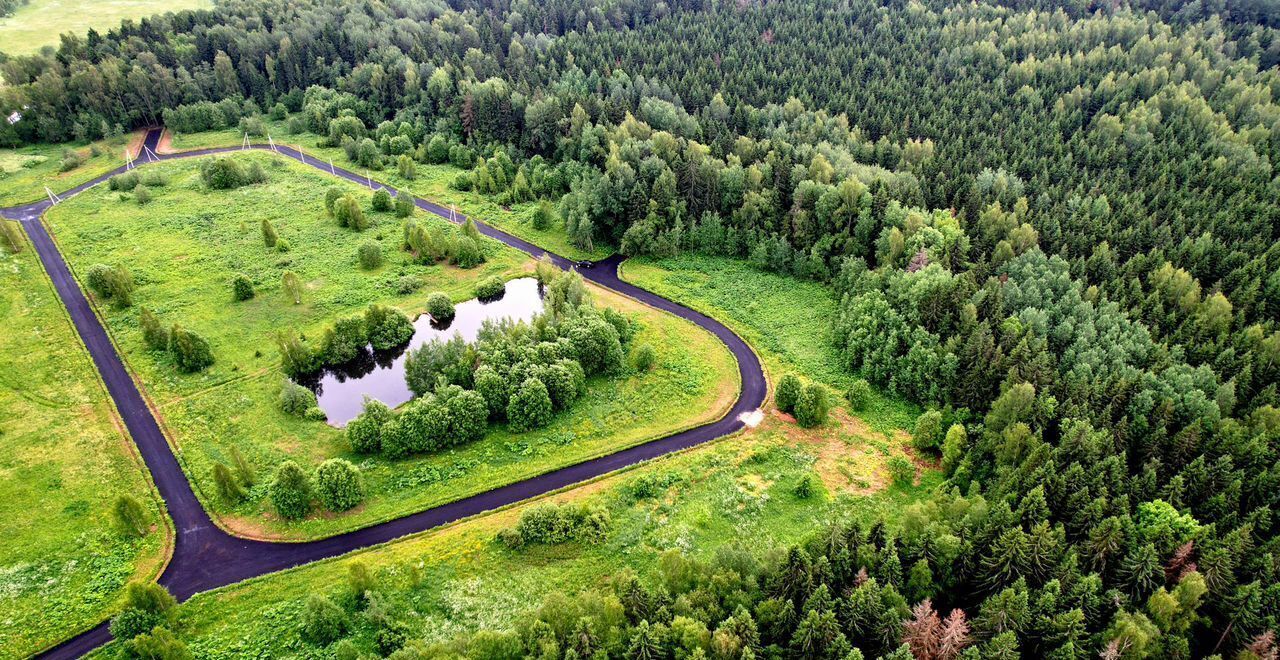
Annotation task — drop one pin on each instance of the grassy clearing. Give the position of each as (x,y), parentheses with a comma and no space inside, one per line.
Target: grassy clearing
(735,492)
(432,183)
(63,460)
(787,320)
(183,249)
(25,171)
(40,22)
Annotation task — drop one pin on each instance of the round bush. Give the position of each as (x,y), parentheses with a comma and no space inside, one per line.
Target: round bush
(295,399)
(530,406)
(381,200)
(859,394)
(440,307)
(370,255)
(787,393)
(644,357)
(190,351)
(242,287)
(813,405)
(490,287)
(365,432)
(322,620)
(290,491)
(338,485)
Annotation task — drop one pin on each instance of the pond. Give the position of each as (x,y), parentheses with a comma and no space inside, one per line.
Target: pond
(341,389)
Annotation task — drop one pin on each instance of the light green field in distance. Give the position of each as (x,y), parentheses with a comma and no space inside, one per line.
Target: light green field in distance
(432,183)
(41,22)
(187,243)
(776,314)
(25,171)
(63,460)
(738,492)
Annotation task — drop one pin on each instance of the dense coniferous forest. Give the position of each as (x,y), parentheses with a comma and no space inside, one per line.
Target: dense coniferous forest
(1054,224)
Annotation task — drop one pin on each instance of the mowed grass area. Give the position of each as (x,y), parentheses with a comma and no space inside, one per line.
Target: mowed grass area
(185,246)
(64,458)
(432,182)
(738,492)
(40,22)
(787,320)
(25,171)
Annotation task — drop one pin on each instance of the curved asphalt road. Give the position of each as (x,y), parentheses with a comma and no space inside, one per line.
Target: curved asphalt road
(206,557)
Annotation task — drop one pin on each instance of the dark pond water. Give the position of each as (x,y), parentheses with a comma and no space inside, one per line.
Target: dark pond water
(340,389)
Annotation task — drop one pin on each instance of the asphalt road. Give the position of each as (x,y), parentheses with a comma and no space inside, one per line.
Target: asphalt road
(206,557)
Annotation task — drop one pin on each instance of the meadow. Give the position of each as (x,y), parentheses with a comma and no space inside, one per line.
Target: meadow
(25,171)
(737,493)
(64,458)
(786,319)
(432,182)
(40,22)
(187,243)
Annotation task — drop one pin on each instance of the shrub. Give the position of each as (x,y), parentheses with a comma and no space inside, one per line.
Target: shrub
(381,200)
(407,166)
(278,112)
(644,357)
(124,182)
(348,213)
(322,620)
(928,431)
(269,236)
(71,159)
(130,516)
(543,215)
(343,340)
(491,287)
(598,347)
(404,205)
(468,415)
(113,283)
(241,287)
(387,327)
(494,389)
(364,433)
(228,488)
(282,245)
(131,623)
(466,253)
(159,644)
(153,179)
(295,399)
(440,307)
(902,471)
(338,485)
(407,284)
(859,394)
(331,196)
(552,524)
(296,357)
(244,471)
(370,255)
(529,407)
(804,488)
(153,333)
(787,393)
(228,173)
(813,405)
(565,382)
(290,491)
(142,195)
(190,351)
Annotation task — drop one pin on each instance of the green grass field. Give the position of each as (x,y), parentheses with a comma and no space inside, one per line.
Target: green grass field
(737,492)
(64,460)
(25,171)
(40,22)
(183,249)
(432,182)
(778,315)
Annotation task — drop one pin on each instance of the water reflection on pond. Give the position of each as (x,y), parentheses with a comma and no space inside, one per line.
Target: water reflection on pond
(340,389)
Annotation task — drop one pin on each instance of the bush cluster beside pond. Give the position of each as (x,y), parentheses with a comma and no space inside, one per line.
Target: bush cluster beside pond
(519,372)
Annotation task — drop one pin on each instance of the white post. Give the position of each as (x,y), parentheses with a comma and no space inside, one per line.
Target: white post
(128,159)
(368,179)
(151,155)
(53,199)
(301,156)
(272,143)
(244,144)
(452,218)
(331,170)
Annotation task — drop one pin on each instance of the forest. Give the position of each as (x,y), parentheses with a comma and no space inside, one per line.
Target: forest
(1052,225)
